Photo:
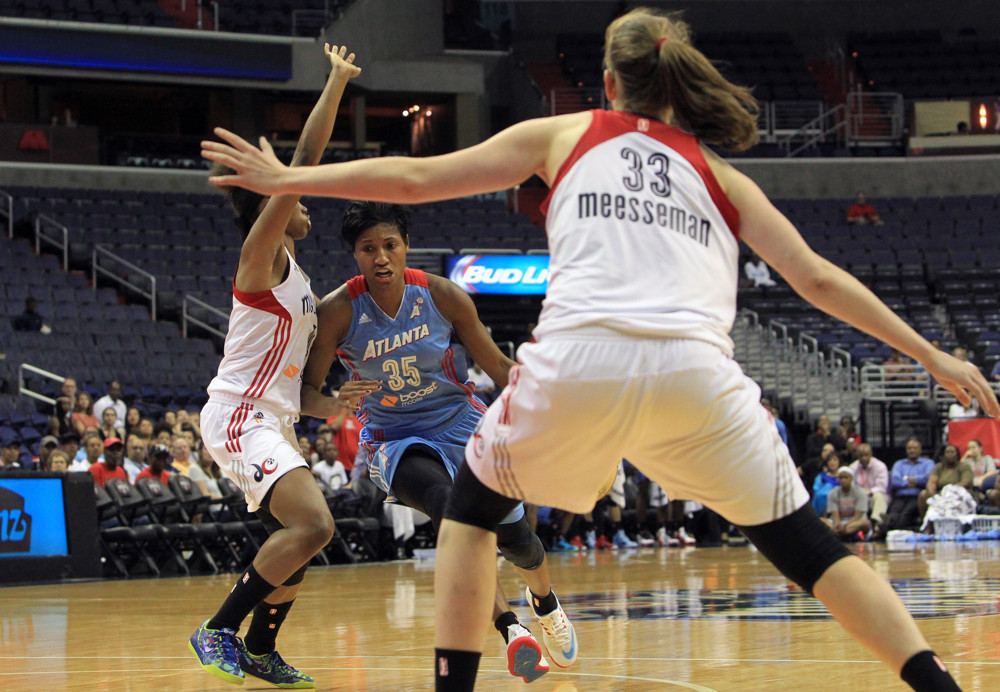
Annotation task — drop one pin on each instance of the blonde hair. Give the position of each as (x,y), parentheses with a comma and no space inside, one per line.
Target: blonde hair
(653,74)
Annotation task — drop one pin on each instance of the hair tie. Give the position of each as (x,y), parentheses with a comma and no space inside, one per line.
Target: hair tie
(659,43)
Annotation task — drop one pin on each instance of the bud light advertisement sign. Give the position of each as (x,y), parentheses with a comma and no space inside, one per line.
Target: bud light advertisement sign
(500,274)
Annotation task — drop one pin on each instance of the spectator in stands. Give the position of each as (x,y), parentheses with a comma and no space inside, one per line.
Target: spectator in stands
(826,479)
(83,413)
(92,453)
(169,421)
(850,436)
(10,454)
(330,469)
(163,435)
(861,212)
(111,467)
(108,424)
(821,436)
(212,475)
(30,320)
(135,458)
(776,417)
(995,372)
(132,419)
(485,388)
(962,128)
(961,353)
(185,422)
(183,464)
(317,450)
(909,477)
(897,367)
(57,461)
(346,430)
(757,272)
(146,431)
(60,423)
(159,456)
(982,464)
(305,446)
(847,507)
(45,447)
(872,476)
(951,469)
(69,442)
(959,412)
(113,400)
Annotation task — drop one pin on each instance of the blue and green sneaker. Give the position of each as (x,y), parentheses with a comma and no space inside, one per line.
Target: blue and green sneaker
(272,668)
(216,651)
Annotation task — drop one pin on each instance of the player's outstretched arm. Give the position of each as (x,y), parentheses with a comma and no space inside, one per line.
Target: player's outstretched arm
(268,231)
(499,163)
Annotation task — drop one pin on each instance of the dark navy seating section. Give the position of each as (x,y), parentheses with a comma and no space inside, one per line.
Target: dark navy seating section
(769,62)
(243,16)
(920,65)
(935,262)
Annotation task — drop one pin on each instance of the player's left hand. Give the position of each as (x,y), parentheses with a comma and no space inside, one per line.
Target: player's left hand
(352,391)
(340,61)
(256,169)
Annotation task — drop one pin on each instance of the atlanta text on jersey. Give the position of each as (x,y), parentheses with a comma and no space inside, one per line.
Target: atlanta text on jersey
(379,347)
(635,209)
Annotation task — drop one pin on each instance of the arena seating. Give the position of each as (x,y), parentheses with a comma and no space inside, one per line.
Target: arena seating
(770,62)
(933,262)
(919,64)
(243,16)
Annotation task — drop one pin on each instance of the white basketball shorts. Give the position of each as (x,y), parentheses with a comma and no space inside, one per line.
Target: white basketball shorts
(680,410)
(253,447)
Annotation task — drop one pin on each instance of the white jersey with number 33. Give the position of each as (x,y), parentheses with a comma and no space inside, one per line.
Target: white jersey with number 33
(651,238)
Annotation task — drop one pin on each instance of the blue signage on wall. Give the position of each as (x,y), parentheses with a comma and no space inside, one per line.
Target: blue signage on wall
(500,274)
(32,517)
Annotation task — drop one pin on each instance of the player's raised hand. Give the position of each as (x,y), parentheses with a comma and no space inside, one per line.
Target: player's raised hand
(256,169)
(340,61)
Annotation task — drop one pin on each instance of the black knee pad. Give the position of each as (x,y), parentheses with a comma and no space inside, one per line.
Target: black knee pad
(520,545)
(473,503)
(800,545)
(297,576)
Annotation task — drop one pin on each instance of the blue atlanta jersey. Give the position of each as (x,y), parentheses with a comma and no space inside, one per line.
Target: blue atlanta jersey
(424,377)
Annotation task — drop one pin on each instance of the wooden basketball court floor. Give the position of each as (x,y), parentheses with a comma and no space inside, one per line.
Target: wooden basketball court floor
(707,619)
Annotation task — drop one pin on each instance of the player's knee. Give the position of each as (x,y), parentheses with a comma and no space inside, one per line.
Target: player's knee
(519,545)
(799,545)
(297,576)
(317,531)
(474,504)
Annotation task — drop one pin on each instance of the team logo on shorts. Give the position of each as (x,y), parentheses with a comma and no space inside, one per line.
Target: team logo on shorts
(268,467)
(258,417)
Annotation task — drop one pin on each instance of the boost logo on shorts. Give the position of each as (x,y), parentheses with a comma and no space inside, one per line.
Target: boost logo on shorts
(268,467)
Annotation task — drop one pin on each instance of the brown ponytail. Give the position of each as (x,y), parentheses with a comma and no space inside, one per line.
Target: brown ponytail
(653,74)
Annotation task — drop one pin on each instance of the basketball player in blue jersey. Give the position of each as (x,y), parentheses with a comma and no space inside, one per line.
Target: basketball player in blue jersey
(396,325)
(644,223)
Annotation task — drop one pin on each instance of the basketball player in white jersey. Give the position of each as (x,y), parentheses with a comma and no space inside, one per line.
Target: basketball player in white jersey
(253,403)
(632,355)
